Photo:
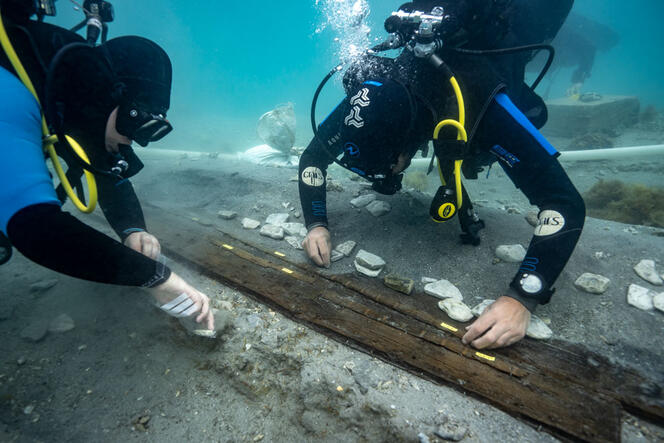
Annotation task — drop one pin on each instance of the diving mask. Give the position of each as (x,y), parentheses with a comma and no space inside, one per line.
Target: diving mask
(142,126)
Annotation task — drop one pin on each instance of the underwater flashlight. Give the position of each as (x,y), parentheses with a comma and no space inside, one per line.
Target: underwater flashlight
(444,205)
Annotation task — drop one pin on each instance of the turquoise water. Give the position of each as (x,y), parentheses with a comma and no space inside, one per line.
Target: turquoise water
(235,61)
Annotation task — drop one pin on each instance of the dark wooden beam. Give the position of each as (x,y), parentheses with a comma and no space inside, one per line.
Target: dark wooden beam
(551,384)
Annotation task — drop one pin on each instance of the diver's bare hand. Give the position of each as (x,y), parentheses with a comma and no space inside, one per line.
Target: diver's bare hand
(502,324)
(146,244)
(318,245)
(196,302)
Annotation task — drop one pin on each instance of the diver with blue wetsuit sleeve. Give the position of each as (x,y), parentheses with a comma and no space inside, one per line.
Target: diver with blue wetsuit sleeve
(458,81)
(104,97)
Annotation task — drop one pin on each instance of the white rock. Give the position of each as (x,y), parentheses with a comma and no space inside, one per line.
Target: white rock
(295,242)
(456,309)
(35,332)
(43,286)
(369,260)
(335,256)
(272,231)
(658,301)
(227,215)
(293,228)
(248,223)
(362,200)
(346,248)
(538,330)
(511,253)
(640,297)
(443,289)
(480,308)
(61,323)
(427,280)
(379,208)
(277,219)
(366,271)
(592,283)
(533,219)
(646,270)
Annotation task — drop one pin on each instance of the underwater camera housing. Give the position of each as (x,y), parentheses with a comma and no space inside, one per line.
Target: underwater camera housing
(423,32)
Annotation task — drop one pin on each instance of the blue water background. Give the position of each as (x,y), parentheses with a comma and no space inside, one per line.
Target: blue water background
(235,61)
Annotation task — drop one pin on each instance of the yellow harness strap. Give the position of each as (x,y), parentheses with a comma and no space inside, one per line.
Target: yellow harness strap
(49,140)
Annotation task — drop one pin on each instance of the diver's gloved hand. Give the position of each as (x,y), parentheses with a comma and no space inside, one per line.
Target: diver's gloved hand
(146,244)
(574,90)
(177,298)
(318,246)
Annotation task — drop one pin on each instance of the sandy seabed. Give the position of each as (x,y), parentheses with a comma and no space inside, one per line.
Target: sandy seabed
(126,372)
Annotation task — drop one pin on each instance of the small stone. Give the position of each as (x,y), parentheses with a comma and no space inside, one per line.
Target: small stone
(399,284)
(297,214)
(451,432)
(511,253)
(227,215)
(366,271)
(335,256)
(427,280)
(35,332)
(379,208)
(248,223)
(346,248)
(646,270)
(29,409)
(202,222)
(272,231)
(443,289)
(61,323)
(457,310)
(658,302)
(479,309)
(369,260)
(533,219)
(362,200)
(277,219)
(640,297)
(295,242)
(43,286)
(293,228)
(592,283)
(513,210)
(333,186)
(21,361)
(423,438)
(538,330)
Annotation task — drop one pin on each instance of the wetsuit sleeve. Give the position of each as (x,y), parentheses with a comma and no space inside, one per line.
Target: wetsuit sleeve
(313,169)
(531,163)
(121,206)
(58,241)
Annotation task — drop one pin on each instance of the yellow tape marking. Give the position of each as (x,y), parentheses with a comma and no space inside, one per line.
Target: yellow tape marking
(279,254)
(449,327)
(287,271)
(485,357)
(229,247)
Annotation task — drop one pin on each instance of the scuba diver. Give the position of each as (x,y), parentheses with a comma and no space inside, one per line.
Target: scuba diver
(459,81)
(58,90)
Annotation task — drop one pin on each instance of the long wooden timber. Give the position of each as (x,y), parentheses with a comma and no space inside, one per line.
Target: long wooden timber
(569,390)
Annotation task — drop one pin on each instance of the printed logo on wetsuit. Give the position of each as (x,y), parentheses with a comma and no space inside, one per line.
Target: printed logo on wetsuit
(550,222)
(313,176)
(358,101)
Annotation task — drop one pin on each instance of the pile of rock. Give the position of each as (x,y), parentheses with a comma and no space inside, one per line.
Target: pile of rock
(644,298)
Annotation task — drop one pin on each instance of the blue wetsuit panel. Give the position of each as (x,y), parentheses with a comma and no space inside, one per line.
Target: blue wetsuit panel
(504,101)
(24,178)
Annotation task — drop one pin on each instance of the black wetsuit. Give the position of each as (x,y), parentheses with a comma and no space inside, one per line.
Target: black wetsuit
(499,130)
(42,231)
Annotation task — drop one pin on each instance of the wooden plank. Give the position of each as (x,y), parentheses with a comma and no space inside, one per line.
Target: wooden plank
(550,384)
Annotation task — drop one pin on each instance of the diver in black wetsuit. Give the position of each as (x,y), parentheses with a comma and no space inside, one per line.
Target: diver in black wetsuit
(105,97)
(391,110)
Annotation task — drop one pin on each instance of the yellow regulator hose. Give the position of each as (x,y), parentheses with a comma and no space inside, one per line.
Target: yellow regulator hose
(48,140)
(460,126)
